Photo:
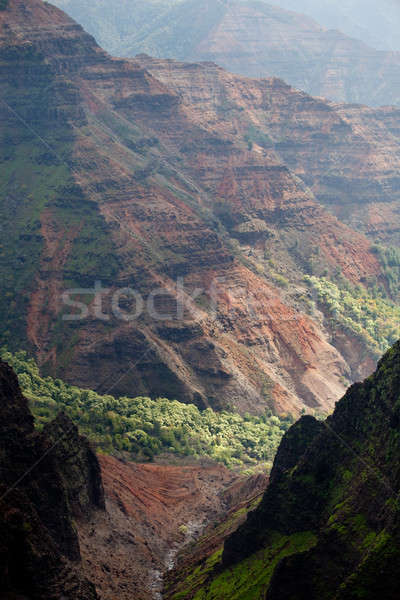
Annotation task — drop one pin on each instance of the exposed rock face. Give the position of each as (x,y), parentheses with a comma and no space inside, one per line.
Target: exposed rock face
(39,548)
(348,155)
(79,467)
(343,486)
(138,173)
(252,38)
(152,512)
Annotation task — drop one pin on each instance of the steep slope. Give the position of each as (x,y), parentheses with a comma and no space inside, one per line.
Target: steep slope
(152,512)
(39,501)
(255,39)
(146,180)
(341,152)
(109,23)
(328,525)
(348,155)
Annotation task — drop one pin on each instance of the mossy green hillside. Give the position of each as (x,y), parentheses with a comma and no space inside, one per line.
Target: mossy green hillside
(29,186)
(247,580)
(26,188)
(37,187)
(389,257)
(36,179)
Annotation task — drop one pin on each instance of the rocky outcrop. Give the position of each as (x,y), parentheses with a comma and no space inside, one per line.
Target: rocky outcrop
(78,465)
(172,180)
(39,548)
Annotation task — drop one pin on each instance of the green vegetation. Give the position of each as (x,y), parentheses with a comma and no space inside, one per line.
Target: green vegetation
(143,427)
(279,279)
(37,192)
(365,314)
(3,4)
(389,258)
(231,523)
(249,579)
(255,135)
(21,240)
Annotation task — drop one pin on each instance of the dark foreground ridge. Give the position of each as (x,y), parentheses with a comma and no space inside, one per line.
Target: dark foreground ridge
(39,548)
(328,526)
(344,487)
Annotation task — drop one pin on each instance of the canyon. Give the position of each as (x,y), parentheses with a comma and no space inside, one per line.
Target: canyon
(263,39)
(153,512)
(148,173)
(190,260)
(82,527)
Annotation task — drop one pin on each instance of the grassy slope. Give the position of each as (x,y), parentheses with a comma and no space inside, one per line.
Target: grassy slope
(247,580)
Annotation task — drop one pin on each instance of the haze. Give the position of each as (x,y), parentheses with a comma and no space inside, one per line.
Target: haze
(376,23)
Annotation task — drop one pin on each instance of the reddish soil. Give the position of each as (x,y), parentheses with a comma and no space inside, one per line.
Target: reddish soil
(152,512)
(45,300)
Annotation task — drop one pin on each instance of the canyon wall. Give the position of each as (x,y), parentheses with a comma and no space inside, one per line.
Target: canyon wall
(39,548)
(260,39)
(208,195)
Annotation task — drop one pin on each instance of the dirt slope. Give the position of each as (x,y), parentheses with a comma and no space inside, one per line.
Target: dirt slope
(152,512)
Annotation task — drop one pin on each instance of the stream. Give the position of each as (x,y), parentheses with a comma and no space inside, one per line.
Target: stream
(194,530)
